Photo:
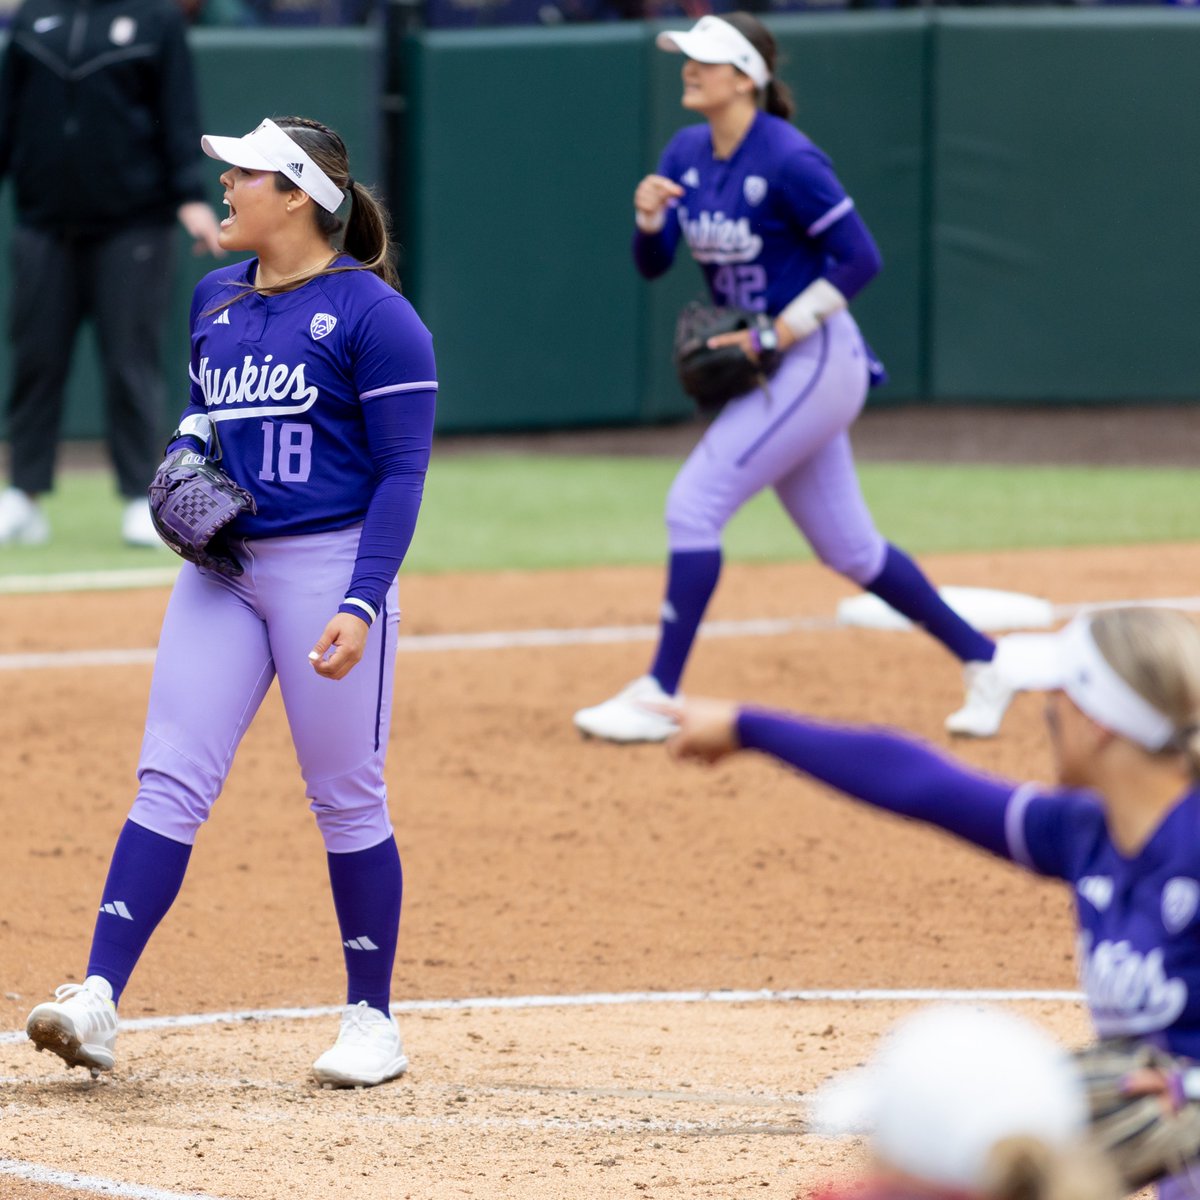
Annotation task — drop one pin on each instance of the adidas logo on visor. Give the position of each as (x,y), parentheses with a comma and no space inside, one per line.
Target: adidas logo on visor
(297,167)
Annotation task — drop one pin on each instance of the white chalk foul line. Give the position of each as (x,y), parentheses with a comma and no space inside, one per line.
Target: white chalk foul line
(515,639)
(88,581)
(95,1184)
(440,642)
(599,999)
(75,658)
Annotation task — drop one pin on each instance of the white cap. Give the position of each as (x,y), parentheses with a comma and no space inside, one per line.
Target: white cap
(949,1083)
(712,40)
(268,148)
(1071,661)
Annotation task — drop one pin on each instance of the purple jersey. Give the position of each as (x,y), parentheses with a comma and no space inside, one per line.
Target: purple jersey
(287,378)
(1138,923)
(754,221)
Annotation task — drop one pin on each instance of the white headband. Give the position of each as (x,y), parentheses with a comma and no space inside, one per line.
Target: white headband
(712,40)
(269,148)
(1071,661)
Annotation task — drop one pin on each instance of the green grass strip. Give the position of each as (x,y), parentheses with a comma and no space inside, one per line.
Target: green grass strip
(509,512)
(496,513)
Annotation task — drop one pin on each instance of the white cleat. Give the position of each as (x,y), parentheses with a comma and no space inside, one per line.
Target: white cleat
(79,1025)
(22,522)
(137,529)
(625,719)
(988,698)
(368,1051)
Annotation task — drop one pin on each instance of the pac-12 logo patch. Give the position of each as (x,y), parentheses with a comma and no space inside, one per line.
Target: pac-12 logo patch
(322,324)
(754,188)
(1180,898)
(1097,890)
(122,31)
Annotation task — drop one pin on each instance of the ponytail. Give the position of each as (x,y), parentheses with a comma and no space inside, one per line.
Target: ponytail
(367,236)
(776,97)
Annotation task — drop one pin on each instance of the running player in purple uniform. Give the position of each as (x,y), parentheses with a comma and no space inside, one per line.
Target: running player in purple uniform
(773,230)
(1122,827)
(319,378)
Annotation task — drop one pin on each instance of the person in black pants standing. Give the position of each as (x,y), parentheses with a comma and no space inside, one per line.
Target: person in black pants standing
(100,132)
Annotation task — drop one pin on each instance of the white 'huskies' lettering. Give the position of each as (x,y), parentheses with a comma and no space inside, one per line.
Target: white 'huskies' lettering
(1128,992)
(714,238)
(254,384)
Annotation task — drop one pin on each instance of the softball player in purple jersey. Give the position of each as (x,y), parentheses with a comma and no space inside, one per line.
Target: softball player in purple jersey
(1122,828)
(319,377)
(773,230)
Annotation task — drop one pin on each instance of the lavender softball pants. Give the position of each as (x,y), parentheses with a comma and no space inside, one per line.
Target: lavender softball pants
(792,436)
(222,643)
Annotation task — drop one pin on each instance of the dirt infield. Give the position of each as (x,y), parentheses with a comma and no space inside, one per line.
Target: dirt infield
(535,865)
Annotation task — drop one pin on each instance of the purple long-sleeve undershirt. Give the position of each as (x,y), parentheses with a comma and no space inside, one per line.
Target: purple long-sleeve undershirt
(852,258)
(653,253)
(399,432)
(887,770)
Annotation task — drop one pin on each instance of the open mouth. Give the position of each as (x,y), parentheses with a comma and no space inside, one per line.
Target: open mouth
(229,220)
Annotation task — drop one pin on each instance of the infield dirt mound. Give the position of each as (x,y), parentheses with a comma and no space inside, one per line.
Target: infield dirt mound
(535,863)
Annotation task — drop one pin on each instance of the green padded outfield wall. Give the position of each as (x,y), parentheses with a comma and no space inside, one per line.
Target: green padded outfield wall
(1066,175)
(521,149)
(243,76)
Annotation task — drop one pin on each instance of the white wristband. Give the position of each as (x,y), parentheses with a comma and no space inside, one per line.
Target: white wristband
(652,223)
(198,425)
(812,308)
(357,603)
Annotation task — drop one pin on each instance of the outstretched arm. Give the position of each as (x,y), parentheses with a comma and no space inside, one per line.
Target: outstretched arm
(882,768)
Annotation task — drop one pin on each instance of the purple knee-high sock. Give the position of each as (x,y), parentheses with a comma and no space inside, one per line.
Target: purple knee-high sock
(367,887)
(144,878)
(903,585)
(691,578)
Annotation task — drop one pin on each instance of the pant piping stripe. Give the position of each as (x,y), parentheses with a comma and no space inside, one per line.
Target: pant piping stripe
(382,621)
(771,429)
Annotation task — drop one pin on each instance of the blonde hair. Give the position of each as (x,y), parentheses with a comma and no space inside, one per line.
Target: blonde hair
(1157,652)
(1025,1168)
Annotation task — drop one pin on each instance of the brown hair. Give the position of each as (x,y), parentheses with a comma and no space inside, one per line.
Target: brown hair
(1157,652)
(776,96)
(367,237)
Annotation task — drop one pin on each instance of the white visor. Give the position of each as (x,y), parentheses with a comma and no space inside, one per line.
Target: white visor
(712,40)
(1071,661)
(268,148)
